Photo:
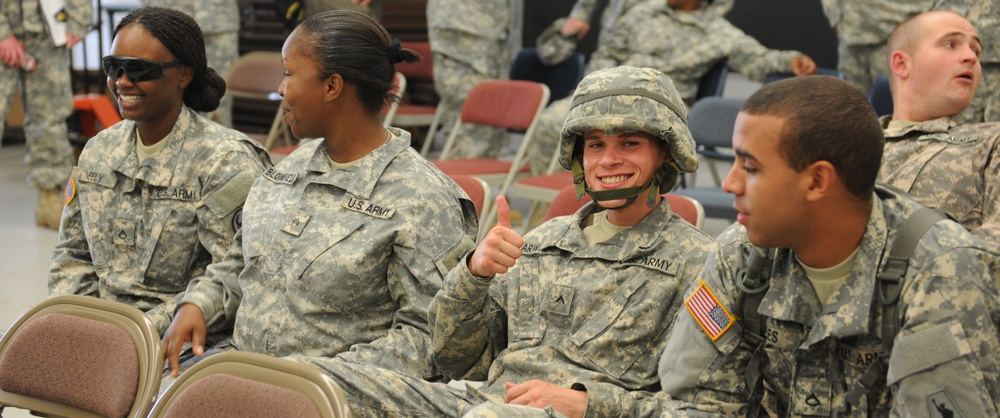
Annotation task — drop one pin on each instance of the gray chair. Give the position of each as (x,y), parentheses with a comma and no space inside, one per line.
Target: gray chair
(712,120)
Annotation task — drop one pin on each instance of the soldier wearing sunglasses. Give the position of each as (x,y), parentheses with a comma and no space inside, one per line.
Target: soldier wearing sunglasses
(39,63)
(158,196)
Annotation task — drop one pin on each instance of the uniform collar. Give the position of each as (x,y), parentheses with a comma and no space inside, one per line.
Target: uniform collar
(939,125)
(642,238)
(850,309)
(370,166)
(157,169)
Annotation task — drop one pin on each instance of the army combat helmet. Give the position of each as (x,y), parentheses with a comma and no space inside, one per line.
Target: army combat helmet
(628,99)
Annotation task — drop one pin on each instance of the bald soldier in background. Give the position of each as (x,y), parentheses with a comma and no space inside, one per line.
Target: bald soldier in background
(929,152)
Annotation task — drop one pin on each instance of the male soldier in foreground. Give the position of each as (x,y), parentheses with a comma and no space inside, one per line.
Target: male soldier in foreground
(839,317)
(568,320)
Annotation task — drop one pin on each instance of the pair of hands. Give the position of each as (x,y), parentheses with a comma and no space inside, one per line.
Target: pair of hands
(12,50)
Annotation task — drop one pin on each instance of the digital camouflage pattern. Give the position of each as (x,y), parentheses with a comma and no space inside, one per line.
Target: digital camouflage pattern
(645,100)
(470,44)
(137,232)
(567,313)
(945,356)
(341,262)
(948,166)
(47,95)
(863,27)
(219,21)
(984,15)
(682,45)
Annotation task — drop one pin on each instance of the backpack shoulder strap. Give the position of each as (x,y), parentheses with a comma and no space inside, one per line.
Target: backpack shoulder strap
(889,286)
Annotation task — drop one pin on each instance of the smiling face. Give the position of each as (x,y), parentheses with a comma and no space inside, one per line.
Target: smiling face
(943,70)
(302,89)
(153,101)
(621,160)
(769,193)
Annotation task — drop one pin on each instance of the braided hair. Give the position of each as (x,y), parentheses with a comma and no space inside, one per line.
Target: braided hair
(183,38)
(358,48)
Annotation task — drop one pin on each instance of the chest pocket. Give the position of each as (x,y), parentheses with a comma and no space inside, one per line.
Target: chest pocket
(323,265)
(627,327)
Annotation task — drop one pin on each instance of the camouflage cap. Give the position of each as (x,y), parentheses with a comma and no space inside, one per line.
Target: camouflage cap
(630,99)
(553,47)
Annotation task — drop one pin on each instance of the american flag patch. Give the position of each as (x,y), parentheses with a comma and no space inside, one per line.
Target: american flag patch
(708,312)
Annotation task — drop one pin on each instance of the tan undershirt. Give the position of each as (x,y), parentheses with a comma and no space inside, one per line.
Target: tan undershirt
(142,151)
(827,281)
(597,228)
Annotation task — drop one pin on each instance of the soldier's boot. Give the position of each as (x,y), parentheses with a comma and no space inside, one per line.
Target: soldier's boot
(48,210)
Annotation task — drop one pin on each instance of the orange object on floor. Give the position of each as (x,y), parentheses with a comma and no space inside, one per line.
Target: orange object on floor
(97,112)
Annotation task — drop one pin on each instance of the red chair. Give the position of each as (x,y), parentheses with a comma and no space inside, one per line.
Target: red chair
(565,203)
(508,104)
(414,115)
(477,190)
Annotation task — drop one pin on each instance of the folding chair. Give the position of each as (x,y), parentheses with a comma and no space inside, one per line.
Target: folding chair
(508,104)
(478,191)
(79,356)
(561,79)
(241,384)
(712,121)
(566,203)
(415,115)
(256,76)
(713,83)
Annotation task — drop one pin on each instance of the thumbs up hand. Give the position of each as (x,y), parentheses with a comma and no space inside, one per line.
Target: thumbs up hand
(501,247)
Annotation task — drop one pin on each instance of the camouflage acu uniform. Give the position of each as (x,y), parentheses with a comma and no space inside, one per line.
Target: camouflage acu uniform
(138,232)
(341,262)
(469,40)
(863,27)
(613,11)
(949,166)
(945,353)
(703,37)
(568,313)
(46,93)
(219,21)
(984,15)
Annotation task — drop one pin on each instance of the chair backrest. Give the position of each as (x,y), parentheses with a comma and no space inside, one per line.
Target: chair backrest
(712,120)
(243,384)
(423,70)
(255,74)
(509,104)
(819,71)
(478,190)
(713,83)
(881,97)
(79,356)
(561,79)
(566,203)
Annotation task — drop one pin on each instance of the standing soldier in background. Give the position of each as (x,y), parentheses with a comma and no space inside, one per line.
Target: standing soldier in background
(862,28)
(469,42)
(220,23)
(46,93)
(984,15)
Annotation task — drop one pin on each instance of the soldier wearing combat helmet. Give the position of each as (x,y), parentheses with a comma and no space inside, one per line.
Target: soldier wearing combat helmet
(562,321)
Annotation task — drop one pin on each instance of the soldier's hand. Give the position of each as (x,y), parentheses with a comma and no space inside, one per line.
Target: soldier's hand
(72,39)
(501,247)
(188,325)
(575,26)
(569,402)
(11,51)
(803,65)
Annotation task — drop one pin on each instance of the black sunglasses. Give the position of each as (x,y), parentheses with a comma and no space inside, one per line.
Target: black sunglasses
(135,69)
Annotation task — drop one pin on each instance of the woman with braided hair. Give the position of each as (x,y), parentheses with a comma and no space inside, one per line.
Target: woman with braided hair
(345,241)
(157,197)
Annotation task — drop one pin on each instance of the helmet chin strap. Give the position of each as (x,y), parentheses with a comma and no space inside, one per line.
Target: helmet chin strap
(629,194)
